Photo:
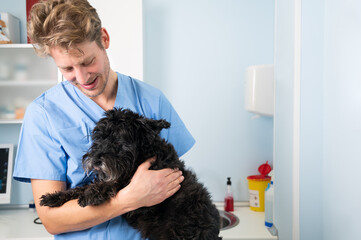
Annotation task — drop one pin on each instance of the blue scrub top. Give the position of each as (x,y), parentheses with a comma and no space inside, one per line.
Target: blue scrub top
(56,131)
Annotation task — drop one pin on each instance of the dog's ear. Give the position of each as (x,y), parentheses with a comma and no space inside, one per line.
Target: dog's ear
(158,125)
(155,125)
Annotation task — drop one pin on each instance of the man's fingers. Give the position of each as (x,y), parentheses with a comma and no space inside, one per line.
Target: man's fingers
(169,171)
(173,191)
(174,178)
(176,183)
(148,163)
(179,180)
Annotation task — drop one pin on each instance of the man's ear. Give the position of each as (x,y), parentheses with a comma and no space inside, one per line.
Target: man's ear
(105,38)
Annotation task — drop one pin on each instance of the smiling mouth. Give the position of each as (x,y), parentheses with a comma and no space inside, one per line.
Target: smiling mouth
(91,85)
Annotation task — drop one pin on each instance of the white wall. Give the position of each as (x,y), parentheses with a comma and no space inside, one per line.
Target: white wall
(197,53)
(123,19)
(284,124)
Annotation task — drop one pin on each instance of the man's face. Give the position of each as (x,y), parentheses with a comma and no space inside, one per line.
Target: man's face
(88,69)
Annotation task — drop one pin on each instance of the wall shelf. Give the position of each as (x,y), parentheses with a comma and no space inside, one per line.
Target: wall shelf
(16,46)
(23,77)
(11,121)
(27,83)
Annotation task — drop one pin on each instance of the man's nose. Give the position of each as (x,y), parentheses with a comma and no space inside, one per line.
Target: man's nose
(81,75)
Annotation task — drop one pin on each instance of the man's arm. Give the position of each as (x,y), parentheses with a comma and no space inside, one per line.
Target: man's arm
(147,188)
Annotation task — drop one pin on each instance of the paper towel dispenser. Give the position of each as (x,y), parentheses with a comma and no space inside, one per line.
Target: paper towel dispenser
(259,89)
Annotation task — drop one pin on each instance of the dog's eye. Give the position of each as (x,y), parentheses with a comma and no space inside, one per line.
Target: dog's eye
(97,163)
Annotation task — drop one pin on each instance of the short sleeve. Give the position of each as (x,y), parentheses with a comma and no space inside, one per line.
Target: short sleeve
(177,134)
(39,154)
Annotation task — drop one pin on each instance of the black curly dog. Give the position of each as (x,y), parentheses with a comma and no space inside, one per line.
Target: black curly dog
(121,142)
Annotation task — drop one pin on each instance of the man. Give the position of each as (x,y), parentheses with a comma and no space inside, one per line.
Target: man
(57,125)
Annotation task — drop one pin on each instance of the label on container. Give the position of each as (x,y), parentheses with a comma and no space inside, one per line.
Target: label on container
(254,198)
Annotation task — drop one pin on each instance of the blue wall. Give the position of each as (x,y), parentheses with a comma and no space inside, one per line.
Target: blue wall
(330,117)
(197,53)
(312,120)
(342,120)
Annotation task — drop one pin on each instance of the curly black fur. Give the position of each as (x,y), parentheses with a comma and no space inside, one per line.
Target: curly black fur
(121,142)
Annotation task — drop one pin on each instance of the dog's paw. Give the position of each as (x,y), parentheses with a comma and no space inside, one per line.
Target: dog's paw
(89,198)
(95,196)
(52,200)
(82,201)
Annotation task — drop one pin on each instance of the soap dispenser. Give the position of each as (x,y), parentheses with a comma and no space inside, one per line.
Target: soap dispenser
(228,199)
(269,196)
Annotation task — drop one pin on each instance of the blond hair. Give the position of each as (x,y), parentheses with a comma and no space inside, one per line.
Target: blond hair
(63,23)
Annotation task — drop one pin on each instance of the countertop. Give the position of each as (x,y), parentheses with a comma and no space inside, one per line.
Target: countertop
(250,227)
(17,224)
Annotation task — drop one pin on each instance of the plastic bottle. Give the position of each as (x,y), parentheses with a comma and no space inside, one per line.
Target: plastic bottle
(269,195)
(228,199)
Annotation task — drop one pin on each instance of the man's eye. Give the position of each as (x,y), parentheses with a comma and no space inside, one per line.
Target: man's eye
(69,69)
(88,63)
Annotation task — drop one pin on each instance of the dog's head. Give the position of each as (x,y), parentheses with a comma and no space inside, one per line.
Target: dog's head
(121,142)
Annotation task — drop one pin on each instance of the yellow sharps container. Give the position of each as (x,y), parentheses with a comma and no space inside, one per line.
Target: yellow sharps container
(257,185)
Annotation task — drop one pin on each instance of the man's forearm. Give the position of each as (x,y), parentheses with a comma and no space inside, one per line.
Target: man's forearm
(71,217)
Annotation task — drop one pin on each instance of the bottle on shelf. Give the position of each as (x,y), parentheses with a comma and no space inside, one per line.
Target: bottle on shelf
(228,199)
(269,196)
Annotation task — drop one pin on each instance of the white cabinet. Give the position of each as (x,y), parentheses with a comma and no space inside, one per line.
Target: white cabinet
(23,77)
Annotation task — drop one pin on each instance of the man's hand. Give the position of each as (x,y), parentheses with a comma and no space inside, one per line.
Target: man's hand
(151,187)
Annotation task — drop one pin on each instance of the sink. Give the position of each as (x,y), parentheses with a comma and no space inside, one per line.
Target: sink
(228,220)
